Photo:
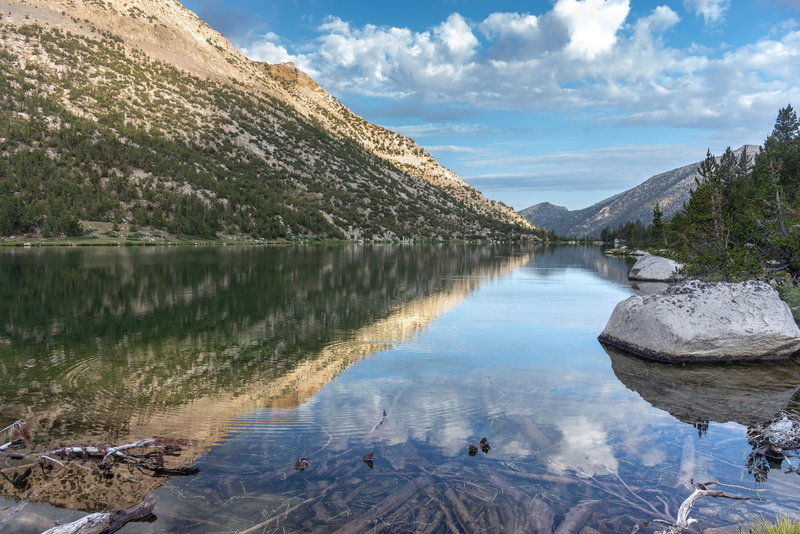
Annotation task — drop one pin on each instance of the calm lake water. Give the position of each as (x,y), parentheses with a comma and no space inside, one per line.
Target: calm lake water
(263,356)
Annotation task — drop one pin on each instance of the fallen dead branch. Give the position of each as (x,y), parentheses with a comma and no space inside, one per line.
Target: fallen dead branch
(167,445)
(14,425)
(106,522)
(32,475)
(19,434)
(683,521)
(12,445)
(150,456)
(379,423)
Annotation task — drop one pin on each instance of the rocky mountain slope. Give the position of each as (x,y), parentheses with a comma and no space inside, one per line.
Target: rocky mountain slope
(544,211)
(670,190)
(137,110)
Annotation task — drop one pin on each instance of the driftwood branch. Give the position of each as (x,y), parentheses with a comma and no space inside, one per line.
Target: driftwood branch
(106,522)
(15,424)
(106,451)
(9,445)
(379,423)
(683,521)
(151,460)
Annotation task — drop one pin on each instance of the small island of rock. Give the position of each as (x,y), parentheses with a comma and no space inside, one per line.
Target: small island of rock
(650,268)
(701,322)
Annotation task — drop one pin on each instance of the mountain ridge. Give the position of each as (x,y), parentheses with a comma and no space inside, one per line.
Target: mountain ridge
(214,77)
(669,189)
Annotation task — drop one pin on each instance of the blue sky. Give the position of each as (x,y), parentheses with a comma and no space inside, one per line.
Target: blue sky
(566,101)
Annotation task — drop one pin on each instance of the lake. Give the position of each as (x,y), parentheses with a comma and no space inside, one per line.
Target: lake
(258,357)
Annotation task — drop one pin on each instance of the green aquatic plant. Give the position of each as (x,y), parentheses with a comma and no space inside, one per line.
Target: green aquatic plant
(781,525)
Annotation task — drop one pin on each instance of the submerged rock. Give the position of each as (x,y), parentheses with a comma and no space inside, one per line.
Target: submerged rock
(701,322)
(744,393)
(655,269)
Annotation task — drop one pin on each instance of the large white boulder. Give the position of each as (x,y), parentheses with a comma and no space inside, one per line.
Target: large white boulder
(698,321)
(655,269)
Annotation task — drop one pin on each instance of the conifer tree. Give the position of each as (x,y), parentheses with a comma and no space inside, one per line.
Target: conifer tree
(744,165)
(658,224)
(706,232)
(787,127)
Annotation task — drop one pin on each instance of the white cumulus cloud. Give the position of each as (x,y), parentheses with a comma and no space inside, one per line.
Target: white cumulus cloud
(267,48)
(374,58)
(580,55)
(593,24)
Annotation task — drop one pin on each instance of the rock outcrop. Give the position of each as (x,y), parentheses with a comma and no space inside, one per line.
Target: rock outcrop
(655,269)
(705,322)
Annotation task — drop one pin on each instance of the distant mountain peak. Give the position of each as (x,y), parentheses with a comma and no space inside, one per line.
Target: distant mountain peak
(670,190)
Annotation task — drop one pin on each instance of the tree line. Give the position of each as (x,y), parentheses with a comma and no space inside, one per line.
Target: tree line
(742,219)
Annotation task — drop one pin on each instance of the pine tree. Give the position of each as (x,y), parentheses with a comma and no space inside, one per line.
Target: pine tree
(706,229)
(787,127)
(745,164)
(658,224)
(728,171)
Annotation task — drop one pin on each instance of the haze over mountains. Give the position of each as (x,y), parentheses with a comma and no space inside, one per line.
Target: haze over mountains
(670,190)
(138,111)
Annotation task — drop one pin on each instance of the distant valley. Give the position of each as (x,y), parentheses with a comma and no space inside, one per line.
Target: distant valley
(670,190)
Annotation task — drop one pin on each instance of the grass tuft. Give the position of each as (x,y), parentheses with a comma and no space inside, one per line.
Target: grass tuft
(781,525)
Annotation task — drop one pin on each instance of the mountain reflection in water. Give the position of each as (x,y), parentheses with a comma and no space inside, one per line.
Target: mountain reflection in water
(109,345)
(454,344)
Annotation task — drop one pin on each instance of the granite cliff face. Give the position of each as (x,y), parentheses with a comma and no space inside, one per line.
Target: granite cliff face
(155,67)
(670,190)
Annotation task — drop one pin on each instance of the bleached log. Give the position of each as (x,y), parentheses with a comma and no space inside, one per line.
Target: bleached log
(683,521)
(14,455)
(15,424)
(106,451)
(106,522)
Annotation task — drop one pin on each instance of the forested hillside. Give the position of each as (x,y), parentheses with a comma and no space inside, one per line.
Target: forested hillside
(94,129)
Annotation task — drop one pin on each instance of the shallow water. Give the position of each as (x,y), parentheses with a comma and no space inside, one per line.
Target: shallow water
(266,355)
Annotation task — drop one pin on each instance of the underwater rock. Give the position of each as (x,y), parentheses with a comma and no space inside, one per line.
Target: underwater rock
(301,464)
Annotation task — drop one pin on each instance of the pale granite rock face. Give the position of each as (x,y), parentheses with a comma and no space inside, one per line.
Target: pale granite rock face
(655,269)
(697,321)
